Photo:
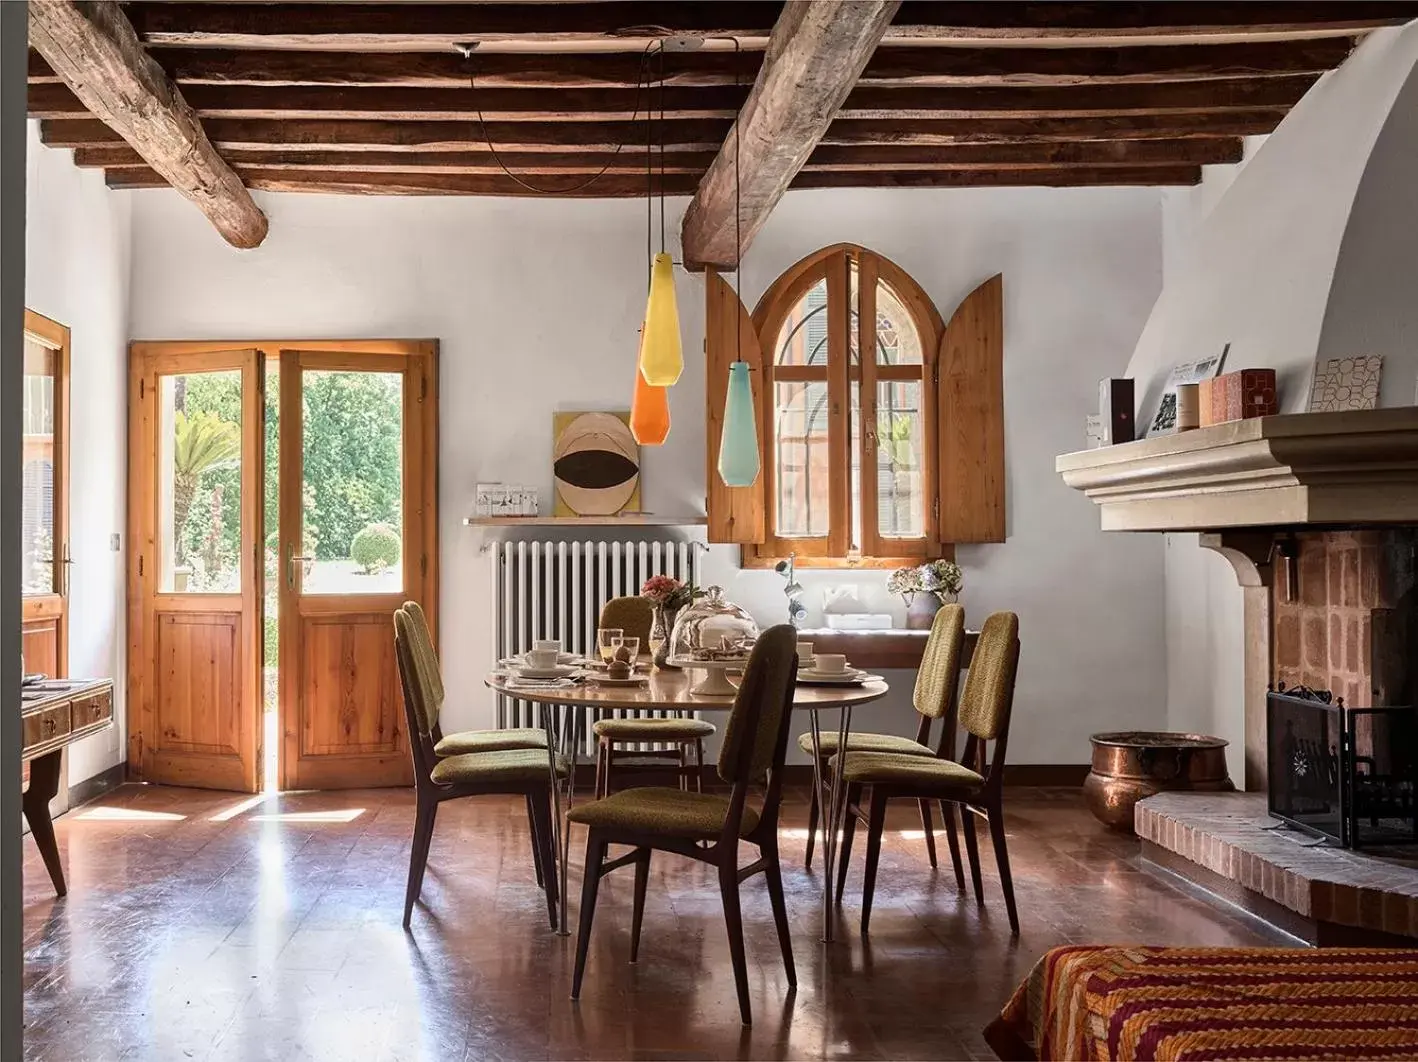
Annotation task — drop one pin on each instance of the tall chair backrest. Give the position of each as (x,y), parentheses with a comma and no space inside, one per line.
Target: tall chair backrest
(633,615)
(988,700)
(417,687)
(425,646)
(756,734)
(938,679)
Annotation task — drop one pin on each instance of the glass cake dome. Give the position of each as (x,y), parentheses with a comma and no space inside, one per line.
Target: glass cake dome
(712,628)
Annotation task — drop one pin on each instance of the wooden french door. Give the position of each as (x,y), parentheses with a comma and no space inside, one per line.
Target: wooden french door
(195,567)
(45,502)
(361,423)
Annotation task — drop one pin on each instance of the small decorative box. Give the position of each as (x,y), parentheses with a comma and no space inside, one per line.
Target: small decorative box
(1238,395)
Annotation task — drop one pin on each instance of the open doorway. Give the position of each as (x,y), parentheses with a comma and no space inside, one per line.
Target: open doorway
(317,463)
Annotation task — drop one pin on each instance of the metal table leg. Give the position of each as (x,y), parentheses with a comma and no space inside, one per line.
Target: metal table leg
(550,717)
(832,812)
(577,723)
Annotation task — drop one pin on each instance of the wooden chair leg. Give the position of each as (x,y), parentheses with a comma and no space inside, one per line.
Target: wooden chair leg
(925,806)
(424,815)
(637,918)
(972,849)
(952,840)
(849,829)
(590,885)
(812,813)
(773,875)
(699,765)
(684,768)
(536,842)
(1002,858)
(876,826)
(541,809)
(600,764)
(733,921)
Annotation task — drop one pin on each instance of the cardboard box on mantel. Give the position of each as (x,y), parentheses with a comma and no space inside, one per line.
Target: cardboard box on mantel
(1238,395)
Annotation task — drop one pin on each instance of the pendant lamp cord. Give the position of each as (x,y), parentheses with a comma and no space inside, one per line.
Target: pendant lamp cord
(738,204)
(640,85)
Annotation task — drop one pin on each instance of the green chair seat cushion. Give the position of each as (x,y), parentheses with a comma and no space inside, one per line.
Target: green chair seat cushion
(526,737)
(827,743)
(511,766)
(667,812)
(889,768)
(652,729)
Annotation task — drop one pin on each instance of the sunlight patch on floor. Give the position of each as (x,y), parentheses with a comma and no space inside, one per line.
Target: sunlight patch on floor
(236,809)
(334,815)
(112,814)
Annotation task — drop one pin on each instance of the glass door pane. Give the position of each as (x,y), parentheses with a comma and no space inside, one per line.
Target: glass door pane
(352,490)
(37,506)
(199,482)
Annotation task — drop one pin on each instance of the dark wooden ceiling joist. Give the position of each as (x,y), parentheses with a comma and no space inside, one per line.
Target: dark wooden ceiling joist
(889,66)
(1026,130)
(611,186)
(1095,153)
(424,25)
(396,103)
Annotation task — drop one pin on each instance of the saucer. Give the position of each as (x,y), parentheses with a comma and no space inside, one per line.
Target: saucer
(559,671)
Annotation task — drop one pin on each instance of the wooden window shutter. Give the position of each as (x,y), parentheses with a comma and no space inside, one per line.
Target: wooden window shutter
(736,514)
(970,373)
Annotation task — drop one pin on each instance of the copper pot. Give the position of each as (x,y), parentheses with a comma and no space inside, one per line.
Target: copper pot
(1131,765)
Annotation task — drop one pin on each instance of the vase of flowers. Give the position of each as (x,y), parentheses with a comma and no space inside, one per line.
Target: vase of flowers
(926,587)
(667,595)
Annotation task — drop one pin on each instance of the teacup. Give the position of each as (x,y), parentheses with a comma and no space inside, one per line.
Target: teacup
(544,644)
(542,658)
(830,663)
(804,652)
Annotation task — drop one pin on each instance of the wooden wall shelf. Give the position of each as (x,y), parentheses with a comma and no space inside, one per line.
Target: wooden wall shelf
(624,520)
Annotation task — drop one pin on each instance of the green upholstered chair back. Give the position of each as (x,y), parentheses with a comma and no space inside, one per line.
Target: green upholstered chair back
(422,642)
(940,663)
(989,685)
(632,615)
(752,735)
(414,678)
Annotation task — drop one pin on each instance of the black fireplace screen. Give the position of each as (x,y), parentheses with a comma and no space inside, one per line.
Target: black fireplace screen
(1347,774)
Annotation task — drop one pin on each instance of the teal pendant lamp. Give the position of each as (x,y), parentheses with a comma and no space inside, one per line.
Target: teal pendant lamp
(738,445)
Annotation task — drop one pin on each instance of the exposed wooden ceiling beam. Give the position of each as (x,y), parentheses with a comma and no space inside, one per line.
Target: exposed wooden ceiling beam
(57,101)
(695,135)
(826,158)
(94,48)
(425,25)
(889,66)
(814,56)
(371,183)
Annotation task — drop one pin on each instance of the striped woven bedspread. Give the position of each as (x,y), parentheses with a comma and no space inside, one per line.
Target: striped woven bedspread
(1213,1003)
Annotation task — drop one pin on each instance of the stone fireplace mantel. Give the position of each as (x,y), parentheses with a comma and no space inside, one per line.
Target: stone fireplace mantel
(1294,470)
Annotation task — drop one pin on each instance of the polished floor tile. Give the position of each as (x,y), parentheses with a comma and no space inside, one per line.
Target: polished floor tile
(199,928)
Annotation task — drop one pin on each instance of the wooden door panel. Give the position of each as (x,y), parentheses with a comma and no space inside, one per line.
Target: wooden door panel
(197,702)
(41,647)
(350,688)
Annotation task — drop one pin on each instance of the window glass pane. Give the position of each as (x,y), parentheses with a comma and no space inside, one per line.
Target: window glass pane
(901,497)
(37,506)
(199,482)
(897,340)
(803,338)
(854,331)
(854,441)
(353,490)
(801,459)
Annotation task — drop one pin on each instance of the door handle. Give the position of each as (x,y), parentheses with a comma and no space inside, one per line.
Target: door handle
(292,559)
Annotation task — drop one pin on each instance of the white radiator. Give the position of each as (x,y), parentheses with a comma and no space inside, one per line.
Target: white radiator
(556,590)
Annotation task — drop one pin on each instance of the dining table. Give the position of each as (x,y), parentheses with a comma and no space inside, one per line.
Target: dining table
(565,707)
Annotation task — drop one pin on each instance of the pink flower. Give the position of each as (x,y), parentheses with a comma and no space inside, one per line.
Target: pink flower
(660,588)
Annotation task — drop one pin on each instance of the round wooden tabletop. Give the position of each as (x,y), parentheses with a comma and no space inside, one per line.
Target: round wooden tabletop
(669,690)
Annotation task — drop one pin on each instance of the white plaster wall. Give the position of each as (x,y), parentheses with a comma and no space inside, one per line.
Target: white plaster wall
(76,272)
(537,304)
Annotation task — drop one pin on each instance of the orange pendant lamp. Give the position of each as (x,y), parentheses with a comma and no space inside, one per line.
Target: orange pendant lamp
(650,407)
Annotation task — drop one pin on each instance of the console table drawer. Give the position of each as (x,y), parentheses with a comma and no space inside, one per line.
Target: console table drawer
(47,726)
(92,711)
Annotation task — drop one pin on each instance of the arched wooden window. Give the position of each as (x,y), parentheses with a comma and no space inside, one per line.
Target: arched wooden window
(872,461)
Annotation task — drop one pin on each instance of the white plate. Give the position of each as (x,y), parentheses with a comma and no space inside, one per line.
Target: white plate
(560,671)
(855,678)
(604,680)
(521,661)
(847,672)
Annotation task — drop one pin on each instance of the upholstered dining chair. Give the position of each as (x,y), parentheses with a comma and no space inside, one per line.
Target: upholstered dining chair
(705,826)
(634,615)
(521,772)
(976,783)
(462,741)
(937,681)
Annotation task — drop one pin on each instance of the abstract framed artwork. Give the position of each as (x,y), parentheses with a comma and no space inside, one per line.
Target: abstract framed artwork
(1346,383)
(595,464)
(1164,421)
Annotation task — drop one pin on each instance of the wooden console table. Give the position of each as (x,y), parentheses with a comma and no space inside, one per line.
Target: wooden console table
(56,713)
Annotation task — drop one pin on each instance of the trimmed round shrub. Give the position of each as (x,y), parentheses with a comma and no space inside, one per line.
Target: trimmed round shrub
(375,548)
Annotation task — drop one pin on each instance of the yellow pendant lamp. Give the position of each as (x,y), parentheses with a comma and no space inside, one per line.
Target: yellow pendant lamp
(649,409)
(661,354)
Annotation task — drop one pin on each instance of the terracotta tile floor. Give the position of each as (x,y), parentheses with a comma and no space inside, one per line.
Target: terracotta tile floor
(192,932)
